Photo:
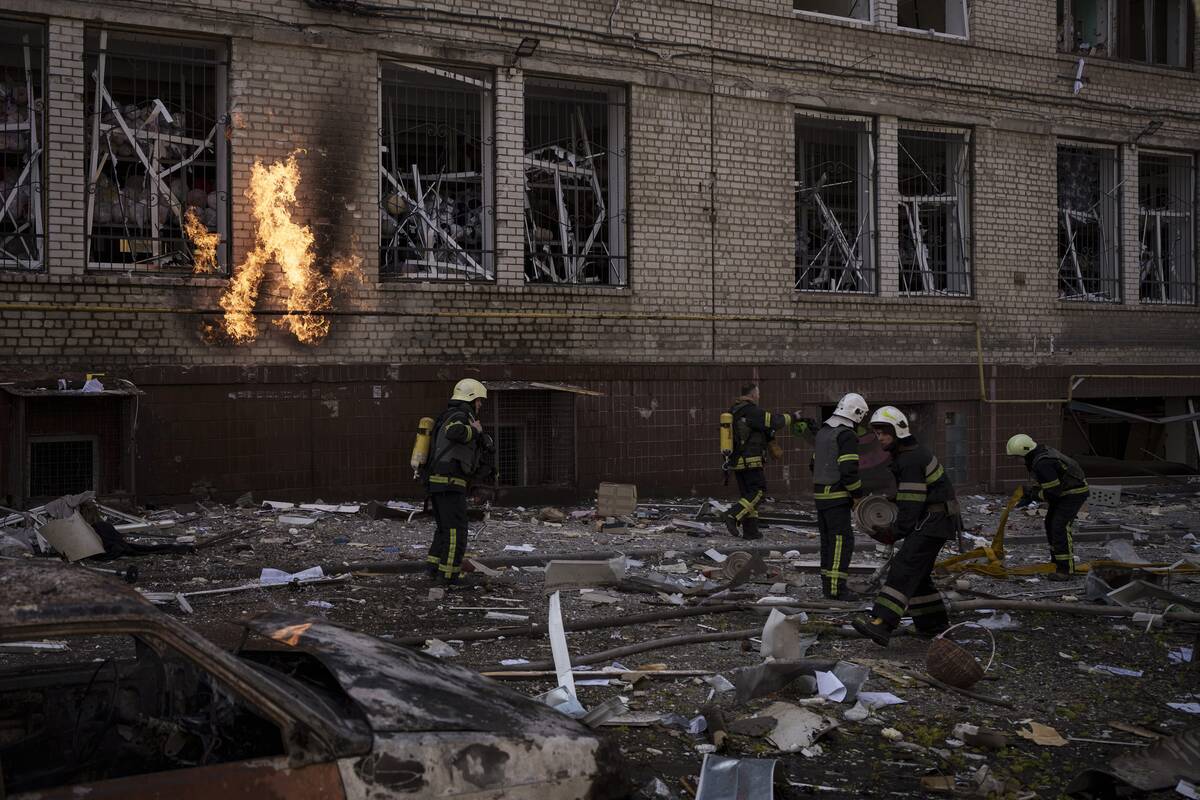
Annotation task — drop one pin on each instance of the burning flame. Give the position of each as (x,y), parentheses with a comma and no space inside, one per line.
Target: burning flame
(204,243)
(272,193)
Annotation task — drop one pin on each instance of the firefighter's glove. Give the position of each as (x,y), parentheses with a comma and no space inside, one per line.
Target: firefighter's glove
(487,442)
(1028,497)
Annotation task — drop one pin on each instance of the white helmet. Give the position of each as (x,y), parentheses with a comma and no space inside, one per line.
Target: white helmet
(894,418)
(852,407)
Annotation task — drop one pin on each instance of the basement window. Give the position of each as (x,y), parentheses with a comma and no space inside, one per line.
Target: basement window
(1089,243)
(851,9)
(1166,228)
(938,16)
(156,153)
(534,431)
(1148,31)
(436,149)
(22,145)
(62,465)
(935,230)
(835,211)
(575,179)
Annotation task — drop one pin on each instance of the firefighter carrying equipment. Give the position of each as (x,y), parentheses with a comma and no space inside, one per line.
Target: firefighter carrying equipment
(853,407)
(992,555)
(893,418)
(1020,445)
(835,465)
(1058,475)
(420,449)
(469,389)
(753,432)
(456,449)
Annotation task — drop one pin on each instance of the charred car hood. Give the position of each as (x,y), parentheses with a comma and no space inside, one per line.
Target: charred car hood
(402,690)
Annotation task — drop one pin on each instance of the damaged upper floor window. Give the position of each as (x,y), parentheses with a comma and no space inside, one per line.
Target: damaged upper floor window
(22,145)
(934,171)
(436,148)
(1089,241)
(938,16)
(156,152)
(851,9)
(1148,31)
(835,204)
(1166,228)
(575,183)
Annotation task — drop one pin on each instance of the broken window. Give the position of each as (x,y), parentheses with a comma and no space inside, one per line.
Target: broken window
(1166,228)
(575,179)
(854,9)
(436,209)
(157,158)
(1149,31)
(1089,243)
(22,136)
(935,189)
(835,219)
(942,16)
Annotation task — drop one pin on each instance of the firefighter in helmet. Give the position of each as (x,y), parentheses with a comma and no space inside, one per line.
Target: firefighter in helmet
(1060,482)
(928,516)
(460,447)
(753,437)
(836,486)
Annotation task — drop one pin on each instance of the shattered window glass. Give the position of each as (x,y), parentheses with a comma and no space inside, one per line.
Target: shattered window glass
(1166,228)
(436,147)
(942,16)
(854,9)
(1149,31)
(1089,244)
(575,178)
(835,214)
(934,171)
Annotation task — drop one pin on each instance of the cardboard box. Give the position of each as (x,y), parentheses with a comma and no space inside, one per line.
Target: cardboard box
(616,499)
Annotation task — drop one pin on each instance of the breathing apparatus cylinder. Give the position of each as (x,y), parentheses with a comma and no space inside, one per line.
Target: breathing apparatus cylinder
(727,434)
(420,451)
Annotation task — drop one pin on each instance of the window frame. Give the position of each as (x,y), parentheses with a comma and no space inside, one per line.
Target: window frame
(1117,210)
(870,19)
(486,78)
(868,205)
(38,107)
(222,156)
(1116,46)
(617,223)
(1191,288)
(966,23)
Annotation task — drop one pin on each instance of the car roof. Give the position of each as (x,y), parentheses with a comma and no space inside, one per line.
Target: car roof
(44,592)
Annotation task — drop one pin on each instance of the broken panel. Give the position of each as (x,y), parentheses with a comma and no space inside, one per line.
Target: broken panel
(22,139)
(835,211)
(575,178)
(1166,228)
(941,16)
(1089,243)
(436,149)
(854,9)
(934,172)
(156,153)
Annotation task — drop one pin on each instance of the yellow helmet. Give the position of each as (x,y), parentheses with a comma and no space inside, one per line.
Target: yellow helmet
(469,389)
(1020,445)
(893,418)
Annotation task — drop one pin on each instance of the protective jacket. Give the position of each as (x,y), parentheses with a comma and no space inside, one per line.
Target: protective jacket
(456,449)
(753,428)
(1057,475)
(923,492)
(835,466)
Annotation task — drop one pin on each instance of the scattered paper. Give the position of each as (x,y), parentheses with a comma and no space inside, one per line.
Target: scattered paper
(828,686)
(1181,655)
(558,646)
(999,622)
(718,557)
(274,577)
(795,727)
(857,713)
(1187,789)
(513,662)
(719,682)
(678,568)
(277,505)
(519,548)
(1129,673)
(438,649)
(1042,734)
(593,682)
(781,637)
(1187,708)
(318,604)
(874,700)
(295,520)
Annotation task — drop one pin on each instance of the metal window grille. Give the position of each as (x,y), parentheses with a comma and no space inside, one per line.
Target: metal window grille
(62,466)
(156,150)
(535,437)
(935,190)
(943,16)
(835,205)
(1167,228)
(575,178)
(436,149)
(1089,242)
(854,9)
(22,140)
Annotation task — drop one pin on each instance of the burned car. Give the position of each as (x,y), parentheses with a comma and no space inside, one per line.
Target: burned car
(139,705)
